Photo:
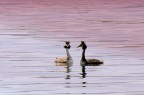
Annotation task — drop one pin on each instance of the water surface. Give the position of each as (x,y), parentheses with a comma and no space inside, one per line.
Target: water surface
(32,34)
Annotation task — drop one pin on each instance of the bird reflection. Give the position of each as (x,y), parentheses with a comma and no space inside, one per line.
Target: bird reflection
(83,72)
(68,71)
(83,69)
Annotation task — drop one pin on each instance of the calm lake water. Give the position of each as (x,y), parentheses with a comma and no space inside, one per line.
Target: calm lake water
(32,34)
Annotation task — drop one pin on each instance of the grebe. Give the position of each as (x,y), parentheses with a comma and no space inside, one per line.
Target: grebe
(88,62)
(65,61)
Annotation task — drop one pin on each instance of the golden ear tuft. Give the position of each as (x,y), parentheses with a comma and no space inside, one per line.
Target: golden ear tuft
(65,46)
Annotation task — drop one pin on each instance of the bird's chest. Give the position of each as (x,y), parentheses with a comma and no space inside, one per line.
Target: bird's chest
(82,63)
(69,62)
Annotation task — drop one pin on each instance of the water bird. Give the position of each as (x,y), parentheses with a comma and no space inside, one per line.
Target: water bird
(65,61)
(88,62)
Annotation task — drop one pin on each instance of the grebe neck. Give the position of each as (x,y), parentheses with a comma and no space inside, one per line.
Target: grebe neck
(67,52)
(83,54)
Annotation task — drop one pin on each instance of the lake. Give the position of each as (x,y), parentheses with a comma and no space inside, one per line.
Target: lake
(33,33)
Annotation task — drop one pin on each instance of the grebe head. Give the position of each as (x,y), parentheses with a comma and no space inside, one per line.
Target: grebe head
(83,45)
(67,42)
(67,46)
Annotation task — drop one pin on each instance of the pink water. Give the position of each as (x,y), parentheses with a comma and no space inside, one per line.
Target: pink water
(32,34)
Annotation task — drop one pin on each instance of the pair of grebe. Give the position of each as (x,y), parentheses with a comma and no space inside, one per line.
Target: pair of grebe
(68,61)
